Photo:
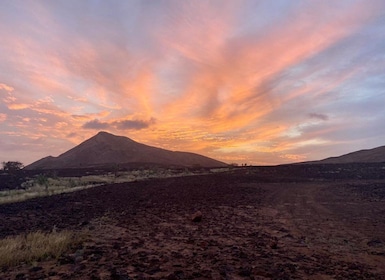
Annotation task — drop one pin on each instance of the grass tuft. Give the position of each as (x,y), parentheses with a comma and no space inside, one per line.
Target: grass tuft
(35,246)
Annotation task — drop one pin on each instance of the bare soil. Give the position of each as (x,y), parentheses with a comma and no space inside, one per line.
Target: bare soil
(257,223)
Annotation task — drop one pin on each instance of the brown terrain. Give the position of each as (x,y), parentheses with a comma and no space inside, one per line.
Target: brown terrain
(284,222)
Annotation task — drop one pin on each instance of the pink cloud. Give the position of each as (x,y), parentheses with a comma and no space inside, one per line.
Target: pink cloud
(227,80)
(3,117)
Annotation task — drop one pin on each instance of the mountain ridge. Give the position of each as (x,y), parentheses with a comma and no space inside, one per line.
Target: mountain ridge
(106,149)
(362,156)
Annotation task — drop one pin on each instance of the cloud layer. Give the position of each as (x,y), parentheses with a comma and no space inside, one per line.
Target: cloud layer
(261,82)
(120,125)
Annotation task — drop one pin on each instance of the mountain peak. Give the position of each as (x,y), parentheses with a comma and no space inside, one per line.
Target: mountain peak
(104,134)
(110,138)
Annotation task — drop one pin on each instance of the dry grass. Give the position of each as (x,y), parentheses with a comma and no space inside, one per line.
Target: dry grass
(10,196)
(35,246)
(59,185)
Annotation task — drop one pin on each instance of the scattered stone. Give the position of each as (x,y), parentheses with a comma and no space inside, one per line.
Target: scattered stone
(196,217)
(245,271)
(52,273)
(118,275)
(66,259)
(94,277)
(196,274)
(172,276)
(35,268)
(215,275)
(83,223)
(374,243)
(178,274)
(273,244)
(20,276)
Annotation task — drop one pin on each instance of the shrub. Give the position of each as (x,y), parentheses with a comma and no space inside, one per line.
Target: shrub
(12,166)
(42,180)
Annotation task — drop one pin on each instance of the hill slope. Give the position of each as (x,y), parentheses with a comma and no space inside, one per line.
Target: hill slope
(105,149)
(371,155)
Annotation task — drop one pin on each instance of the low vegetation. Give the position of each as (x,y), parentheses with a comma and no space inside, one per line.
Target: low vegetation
(32,189)
(36,246)
(42,185)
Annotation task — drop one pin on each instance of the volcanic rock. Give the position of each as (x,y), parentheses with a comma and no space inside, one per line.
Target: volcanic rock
(196,217)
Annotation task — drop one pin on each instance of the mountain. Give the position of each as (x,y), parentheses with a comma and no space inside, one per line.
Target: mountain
(362,156)
(106,150)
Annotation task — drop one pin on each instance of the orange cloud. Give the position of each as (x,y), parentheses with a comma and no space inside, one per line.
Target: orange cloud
(6,87)
(18,106)
(231,87)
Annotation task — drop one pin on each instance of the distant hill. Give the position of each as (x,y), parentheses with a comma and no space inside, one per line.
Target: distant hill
(106,150)
(362,156)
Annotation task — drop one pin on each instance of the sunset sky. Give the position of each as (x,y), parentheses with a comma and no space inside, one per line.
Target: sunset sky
(257,82)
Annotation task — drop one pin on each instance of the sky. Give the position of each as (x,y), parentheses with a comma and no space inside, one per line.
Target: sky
(256,82)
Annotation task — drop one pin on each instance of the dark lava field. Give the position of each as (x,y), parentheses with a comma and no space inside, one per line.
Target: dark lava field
(284,222)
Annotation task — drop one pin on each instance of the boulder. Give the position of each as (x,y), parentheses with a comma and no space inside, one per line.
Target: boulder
(196,217)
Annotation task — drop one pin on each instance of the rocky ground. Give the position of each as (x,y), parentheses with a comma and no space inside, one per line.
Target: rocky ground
(256,223)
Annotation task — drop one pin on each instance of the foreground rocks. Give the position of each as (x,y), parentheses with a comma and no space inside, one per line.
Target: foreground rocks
(252,228)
